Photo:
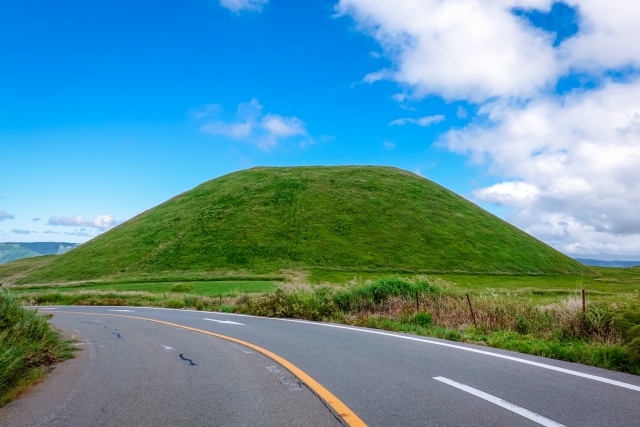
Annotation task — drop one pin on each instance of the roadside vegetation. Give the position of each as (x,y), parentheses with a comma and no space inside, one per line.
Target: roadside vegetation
(530,314)
(28,347)
(606,334)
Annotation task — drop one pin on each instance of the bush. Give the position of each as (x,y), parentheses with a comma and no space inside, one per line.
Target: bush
(297,305)
(368,296)
(422,319)
(176,303)
(627,322)
(182,287)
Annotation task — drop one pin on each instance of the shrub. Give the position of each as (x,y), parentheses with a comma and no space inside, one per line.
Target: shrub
(176,303)
(422,319)
(368,296)
(627,322)
(297,305)
(182,287)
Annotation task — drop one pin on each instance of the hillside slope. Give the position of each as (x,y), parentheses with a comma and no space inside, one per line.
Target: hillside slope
(267,219)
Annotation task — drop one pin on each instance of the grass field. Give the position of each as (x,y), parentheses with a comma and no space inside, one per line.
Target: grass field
(209,289)
(603,280)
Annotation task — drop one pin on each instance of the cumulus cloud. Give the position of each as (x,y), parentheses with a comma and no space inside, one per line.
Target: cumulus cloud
(467,49)
(480,49)
(421,121)
(568,163)
(101,222)
(238,6)
(608,39)
(4,215)
(572,163)
(250,124)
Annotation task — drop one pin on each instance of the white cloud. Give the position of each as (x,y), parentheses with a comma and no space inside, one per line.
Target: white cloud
(389,145)
(252,125)
(421,121)
(465,49)
(238,6)
(609,38)
(4,215)
(479,49)
(101,222)
(572,165)
(283,127)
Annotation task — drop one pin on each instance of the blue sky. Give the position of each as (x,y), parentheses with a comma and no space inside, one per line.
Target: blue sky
(526,107)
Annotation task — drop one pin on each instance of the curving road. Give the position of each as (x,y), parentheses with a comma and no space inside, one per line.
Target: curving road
(177,370)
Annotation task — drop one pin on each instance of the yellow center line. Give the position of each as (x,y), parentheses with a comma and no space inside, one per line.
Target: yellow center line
(338,406)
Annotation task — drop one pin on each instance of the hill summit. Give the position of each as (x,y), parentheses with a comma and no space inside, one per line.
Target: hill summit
(354,218)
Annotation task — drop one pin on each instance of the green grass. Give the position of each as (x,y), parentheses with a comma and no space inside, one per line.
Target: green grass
(604,284)
(28,346)
(210,289)
(265,220)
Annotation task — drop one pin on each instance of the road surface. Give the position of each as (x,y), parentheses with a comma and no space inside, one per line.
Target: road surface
(151,367)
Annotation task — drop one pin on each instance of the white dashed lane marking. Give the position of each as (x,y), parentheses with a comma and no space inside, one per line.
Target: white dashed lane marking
(502,403)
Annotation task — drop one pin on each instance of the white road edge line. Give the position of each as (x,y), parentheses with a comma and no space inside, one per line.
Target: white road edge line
(126,311)
(487,353)
(502,403)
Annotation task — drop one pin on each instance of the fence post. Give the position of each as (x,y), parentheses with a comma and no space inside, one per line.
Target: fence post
(417,302)
(472,313)
(584,311)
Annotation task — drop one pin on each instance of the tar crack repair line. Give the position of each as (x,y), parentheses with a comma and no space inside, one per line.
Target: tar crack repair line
(188,360)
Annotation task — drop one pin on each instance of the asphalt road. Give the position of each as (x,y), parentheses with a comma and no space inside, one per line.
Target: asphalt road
(139,373)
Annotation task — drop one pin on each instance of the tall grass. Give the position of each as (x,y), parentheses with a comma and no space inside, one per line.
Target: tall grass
(28,346)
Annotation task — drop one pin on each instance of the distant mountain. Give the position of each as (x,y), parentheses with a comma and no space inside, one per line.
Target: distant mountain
(12,251)
(601,263)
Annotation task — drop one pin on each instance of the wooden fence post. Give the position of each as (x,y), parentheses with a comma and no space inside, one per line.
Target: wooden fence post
(472,313)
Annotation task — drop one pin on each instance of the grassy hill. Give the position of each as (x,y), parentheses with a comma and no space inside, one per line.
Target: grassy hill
(351,218)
